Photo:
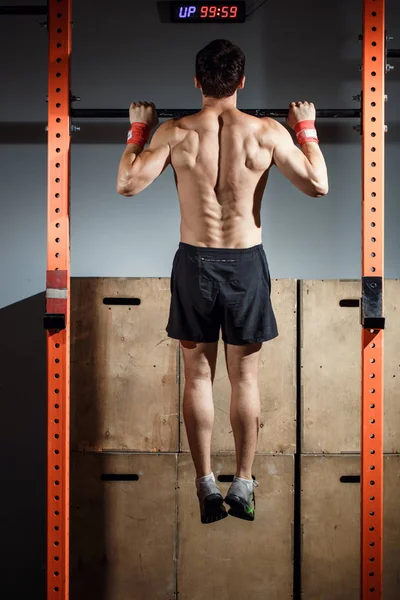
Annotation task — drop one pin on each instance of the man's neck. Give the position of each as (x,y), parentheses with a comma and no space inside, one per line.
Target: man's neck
(220,105)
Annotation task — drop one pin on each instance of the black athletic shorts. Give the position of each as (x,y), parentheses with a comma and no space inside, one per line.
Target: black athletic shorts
(215,288)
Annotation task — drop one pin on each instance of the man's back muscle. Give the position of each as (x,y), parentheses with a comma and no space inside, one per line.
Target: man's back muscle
(221,164)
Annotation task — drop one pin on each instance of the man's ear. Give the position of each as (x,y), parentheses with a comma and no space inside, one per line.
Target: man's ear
(196,83)
(241,84)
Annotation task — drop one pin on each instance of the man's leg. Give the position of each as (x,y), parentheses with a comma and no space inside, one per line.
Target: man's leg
(198,406)
(242,364)
(198,413)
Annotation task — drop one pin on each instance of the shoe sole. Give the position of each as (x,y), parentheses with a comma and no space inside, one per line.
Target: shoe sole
(214,509)
(238,508)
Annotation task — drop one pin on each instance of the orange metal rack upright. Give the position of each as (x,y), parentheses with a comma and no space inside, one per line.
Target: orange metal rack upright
(57,318)
(372,320)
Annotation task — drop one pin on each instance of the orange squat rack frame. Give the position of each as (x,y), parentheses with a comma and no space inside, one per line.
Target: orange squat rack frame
(57,318)
(372,320)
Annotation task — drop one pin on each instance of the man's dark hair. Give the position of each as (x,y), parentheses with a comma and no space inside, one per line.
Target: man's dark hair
(220,68)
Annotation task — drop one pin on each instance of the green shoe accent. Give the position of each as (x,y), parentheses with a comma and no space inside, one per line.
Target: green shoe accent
(241,500)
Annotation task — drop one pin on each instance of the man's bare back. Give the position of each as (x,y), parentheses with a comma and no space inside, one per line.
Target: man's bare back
(221,159)
(221,163)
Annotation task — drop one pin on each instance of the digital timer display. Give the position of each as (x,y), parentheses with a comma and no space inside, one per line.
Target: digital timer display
(208,12)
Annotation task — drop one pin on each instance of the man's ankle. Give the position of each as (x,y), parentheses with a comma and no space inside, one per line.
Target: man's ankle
(244,476)
(201,475)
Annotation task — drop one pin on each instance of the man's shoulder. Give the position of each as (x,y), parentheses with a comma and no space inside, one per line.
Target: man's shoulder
(171,126)
(171,132)
(262,124)
(273,124)
(274,130)
(167,131)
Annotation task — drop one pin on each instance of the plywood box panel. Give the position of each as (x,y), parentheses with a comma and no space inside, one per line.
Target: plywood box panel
(331,367)
(277,380)
(331,528)
(123,532)
(124,389)
(234,558)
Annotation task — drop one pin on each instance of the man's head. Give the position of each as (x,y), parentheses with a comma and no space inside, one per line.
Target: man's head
(220,69)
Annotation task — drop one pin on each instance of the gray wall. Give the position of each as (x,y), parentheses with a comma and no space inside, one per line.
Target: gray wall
(121,52)
(289,57)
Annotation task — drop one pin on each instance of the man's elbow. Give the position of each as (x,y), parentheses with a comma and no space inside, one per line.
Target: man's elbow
(320,192)
(124,190)
(318,189)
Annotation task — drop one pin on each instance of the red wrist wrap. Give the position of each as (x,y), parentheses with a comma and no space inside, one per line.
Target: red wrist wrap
(306,132)
(138,134)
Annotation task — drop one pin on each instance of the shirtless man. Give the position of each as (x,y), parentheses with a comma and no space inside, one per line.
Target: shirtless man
(221,160)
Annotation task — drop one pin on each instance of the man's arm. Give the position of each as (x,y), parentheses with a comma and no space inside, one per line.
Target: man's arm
(305,168)
(138,168)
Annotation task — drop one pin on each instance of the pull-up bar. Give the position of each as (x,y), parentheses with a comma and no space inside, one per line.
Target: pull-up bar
(176,113)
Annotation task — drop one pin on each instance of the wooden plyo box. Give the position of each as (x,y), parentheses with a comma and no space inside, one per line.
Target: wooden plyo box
(123,530)
(125,371)
(277,381)
(235,558)
(124,377)
(135,538)
(330,515)
(331,367)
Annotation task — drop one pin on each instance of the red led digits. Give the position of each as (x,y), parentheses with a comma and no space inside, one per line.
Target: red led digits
(203,12)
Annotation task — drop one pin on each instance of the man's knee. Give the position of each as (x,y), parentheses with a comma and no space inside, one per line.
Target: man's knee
(197,372)
(243,364)
(243,375)
(199,361)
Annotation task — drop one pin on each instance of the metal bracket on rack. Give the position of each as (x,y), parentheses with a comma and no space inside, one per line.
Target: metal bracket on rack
(372,303)
(54,322)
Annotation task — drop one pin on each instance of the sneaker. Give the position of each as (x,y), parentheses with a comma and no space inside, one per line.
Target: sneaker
(211,501)
(241,498)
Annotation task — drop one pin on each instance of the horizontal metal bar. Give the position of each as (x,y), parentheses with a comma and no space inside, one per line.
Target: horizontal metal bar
(23,10)
(167,113)
(393,53)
